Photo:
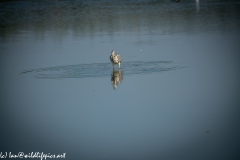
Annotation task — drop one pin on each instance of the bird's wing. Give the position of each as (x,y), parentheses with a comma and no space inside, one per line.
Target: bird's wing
(119,57)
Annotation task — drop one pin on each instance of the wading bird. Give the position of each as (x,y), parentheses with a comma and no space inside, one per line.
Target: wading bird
(115,59)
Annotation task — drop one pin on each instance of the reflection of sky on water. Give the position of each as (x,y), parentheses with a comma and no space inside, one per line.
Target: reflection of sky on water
(177,92)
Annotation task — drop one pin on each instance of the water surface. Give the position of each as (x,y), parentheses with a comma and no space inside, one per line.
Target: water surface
(176,95)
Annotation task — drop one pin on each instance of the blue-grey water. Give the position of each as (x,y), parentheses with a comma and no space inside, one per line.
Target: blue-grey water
(176,95)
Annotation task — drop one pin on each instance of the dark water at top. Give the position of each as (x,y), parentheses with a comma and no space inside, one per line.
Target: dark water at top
(176,95)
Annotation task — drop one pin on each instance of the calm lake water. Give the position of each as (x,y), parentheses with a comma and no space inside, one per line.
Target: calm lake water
(176,95)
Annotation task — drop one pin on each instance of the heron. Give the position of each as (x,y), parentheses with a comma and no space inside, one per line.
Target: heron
(115,59)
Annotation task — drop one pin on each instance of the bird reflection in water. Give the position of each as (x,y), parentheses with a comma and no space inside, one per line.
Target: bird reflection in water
(116,78)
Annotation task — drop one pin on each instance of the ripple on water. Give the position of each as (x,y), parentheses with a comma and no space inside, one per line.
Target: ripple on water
(102,69)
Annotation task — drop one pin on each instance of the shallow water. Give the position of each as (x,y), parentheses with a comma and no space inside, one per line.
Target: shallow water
(176,95)
(102,69)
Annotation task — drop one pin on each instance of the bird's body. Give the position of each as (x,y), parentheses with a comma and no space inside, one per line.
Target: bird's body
(115,59)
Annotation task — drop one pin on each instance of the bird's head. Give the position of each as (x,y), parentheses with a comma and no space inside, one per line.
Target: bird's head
(113,53)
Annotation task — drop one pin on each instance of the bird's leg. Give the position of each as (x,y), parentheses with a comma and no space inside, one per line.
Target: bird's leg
(118,65)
